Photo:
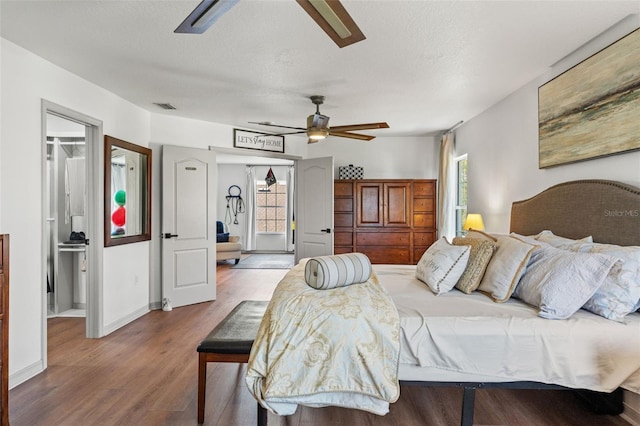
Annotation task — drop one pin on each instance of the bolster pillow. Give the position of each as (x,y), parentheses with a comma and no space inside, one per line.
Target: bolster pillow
(326,272)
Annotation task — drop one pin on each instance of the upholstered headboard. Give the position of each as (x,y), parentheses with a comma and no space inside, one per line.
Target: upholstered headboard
(607,210)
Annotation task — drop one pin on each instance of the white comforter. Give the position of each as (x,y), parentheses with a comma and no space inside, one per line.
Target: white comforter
(460,337)
(326,347)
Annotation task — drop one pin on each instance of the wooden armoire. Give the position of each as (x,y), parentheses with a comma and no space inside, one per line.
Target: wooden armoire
(389,220)
(4,329)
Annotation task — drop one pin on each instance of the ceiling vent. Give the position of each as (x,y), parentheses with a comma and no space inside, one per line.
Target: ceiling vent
(164,105)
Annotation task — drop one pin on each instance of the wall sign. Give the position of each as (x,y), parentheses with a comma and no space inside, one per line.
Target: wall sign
(260,141)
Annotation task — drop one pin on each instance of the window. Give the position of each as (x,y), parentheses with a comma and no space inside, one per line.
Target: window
(461,192)
(271,207)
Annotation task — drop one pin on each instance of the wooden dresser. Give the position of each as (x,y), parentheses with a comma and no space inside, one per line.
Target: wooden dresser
(389,220)
(4,329)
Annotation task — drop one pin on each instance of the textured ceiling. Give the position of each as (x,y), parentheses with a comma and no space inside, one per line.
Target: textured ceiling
(424,66)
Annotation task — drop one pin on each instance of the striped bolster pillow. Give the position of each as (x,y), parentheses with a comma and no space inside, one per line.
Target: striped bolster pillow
(326,272)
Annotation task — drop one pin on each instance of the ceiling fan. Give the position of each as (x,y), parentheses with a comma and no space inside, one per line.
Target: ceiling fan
(330,15)
(318,126)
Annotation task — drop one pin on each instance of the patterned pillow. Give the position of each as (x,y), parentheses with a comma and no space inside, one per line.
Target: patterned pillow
(442,265)
(505,268)
(479,257)
(559,282)
(327,272)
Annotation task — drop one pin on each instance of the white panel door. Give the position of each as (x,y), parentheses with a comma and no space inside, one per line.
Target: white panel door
(314,207)
(188,225)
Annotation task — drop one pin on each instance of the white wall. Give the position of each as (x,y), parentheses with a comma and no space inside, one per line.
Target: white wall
(26,80)
(383,157)
(502,147)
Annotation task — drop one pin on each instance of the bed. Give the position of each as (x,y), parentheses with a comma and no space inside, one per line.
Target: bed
(470,341)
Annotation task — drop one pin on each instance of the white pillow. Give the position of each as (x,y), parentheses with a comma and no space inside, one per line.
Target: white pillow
(505,268)
(327,272)
(620,293)
(559,282)
(561,242)
(442,265)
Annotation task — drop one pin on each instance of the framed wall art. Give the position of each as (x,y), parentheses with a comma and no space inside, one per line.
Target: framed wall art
(593,109)
(256,140)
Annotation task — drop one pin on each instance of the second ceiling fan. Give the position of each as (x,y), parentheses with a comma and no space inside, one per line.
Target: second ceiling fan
(318,126)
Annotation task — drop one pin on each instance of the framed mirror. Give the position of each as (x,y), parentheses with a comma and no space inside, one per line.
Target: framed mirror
(127,192)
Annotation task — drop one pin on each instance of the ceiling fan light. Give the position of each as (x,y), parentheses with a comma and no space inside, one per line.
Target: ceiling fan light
(334,21)
(317,134)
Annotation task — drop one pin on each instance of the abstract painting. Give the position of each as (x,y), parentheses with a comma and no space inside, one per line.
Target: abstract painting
(593,109)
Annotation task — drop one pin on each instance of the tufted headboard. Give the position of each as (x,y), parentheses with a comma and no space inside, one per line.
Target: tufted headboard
(607,210)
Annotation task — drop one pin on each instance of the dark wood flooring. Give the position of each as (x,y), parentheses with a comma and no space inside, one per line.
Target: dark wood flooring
(146,374)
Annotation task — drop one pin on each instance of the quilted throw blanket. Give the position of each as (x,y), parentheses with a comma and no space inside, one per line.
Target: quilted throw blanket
(335,347)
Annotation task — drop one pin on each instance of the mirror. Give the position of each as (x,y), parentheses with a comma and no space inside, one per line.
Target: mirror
(127,192)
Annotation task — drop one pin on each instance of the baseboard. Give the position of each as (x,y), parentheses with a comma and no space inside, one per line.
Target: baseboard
(25,374)
(110,328)
(631,408)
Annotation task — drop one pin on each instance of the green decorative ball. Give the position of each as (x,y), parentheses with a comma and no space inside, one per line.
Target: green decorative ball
(120,197)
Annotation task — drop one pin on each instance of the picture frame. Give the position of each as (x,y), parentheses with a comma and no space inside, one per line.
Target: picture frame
(247,139)
(592,109)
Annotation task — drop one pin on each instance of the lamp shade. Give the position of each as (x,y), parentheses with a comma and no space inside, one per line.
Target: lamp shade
(474,221)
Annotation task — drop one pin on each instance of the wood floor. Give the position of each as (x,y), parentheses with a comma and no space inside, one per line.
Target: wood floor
(146,374)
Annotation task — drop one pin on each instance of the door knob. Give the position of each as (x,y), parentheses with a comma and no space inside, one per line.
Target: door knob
(169,235)
(328,230)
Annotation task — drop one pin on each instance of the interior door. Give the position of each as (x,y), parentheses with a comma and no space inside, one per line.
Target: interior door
(314,207)
(188,225)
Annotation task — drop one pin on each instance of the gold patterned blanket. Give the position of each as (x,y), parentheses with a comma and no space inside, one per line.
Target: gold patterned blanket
(335,347)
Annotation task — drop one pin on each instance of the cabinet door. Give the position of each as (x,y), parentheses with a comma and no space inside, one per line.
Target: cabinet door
(397,204)
(369,199)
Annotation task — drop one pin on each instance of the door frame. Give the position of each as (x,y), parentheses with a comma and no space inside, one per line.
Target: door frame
(94,183)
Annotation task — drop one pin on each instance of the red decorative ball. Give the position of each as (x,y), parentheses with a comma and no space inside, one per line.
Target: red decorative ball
(119,216)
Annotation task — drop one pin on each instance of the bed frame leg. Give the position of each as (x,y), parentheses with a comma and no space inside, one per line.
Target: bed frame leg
(262,415)
(468,401)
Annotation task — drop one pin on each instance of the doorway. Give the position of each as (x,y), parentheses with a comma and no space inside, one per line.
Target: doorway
(71,229)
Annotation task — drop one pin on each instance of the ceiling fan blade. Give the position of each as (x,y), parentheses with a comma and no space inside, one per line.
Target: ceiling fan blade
(204,15)
(290,133)
(351,135)
(313,140)
(265,123)
(334,19)
(367,126)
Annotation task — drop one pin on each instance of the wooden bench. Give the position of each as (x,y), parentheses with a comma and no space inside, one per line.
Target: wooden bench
(230,341)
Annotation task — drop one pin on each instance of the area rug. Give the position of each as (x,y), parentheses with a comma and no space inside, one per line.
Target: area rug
(266,261)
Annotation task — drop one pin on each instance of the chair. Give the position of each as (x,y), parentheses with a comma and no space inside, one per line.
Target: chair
(227,246)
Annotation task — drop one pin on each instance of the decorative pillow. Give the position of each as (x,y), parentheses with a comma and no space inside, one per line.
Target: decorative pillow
(219,227)
(479,257)
(505,268)
(559,282)
(327,272)
(561,242)
(474,233)
(620,293)
(222,238)
(442,265)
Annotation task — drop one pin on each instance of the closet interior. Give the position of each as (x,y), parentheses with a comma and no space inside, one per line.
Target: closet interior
(66,230)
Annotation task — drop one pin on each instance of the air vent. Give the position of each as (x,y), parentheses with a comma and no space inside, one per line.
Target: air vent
(164,105)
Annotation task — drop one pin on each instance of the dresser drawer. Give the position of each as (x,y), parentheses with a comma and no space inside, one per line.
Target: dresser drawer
(423,238)
(382,255)
(343,238)
(424,189)
(424,220)
(343,189)
(423,204)
(343,205)
(382,239)
(343,219)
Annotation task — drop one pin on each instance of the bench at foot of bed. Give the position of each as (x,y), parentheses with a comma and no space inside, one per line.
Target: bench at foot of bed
(230,341)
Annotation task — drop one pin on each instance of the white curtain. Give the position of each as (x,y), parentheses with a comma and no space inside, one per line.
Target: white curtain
(290,198)
(250,210)
(446,189)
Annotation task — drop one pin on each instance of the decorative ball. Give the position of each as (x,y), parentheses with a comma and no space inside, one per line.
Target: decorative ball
(119,216)
(120,197)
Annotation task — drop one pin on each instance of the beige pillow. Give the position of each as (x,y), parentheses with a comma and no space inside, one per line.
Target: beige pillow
(479,257)
(473,233)
(442,265)
(505,268)
(561,242)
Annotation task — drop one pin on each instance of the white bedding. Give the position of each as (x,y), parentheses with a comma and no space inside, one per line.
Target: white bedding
(460,337)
